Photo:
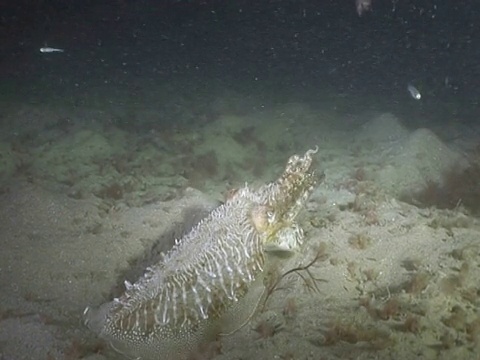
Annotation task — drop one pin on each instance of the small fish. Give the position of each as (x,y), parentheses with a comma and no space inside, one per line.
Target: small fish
(363,6)
(414,92)
(50,50)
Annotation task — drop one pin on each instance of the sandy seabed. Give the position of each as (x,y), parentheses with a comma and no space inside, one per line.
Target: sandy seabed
(82,208)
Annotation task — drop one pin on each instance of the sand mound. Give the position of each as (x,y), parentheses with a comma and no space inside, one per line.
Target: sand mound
(419,160)
(383,128)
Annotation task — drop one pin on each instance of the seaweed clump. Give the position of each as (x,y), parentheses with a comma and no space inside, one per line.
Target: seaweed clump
(458,187)
(198,168)
(113,191)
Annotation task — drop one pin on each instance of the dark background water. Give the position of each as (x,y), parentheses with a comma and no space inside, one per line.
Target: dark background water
(280,50)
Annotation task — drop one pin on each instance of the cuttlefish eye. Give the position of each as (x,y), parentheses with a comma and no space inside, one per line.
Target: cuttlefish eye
(270,216)
(262,217)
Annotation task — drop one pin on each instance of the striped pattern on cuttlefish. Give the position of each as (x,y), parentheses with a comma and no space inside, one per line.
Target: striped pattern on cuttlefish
(212,280)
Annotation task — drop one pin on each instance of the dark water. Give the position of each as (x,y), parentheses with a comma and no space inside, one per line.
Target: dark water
(185,53)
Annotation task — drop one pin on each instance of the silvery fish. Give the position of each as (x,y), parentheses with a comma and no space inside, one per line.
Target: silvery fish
(414,92)
(50,50)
